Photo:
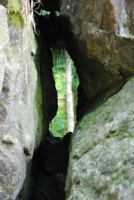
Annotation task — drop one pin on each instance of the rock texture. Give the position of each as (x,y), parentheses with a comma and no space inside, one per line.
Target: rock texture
(20,101)
(102,151)
(99,36)
(102,44)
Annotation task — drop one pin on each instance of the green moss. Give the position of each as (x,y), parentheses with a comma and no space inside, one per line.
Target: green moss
(122,174)
(39,107)
(15,13)
(25,192)
(38,96)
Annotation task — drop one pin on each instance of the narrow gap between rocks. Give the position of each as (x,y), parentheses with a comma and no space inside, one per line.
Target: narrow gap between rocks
(50,161)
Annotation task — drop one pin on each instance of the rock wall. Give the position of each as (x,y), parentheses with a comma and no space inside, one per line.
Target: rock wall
(99,37)
(102,47)
(102,151)
(103,43)
(20,97)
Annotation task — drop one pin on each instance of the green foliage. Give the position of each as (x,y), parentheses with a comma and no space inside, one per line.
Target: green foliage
(15,13)
(43,12)
(58,125)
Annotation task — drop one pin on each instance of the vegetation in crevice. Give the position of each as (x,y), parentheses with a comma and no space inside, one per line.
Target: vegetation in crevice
(58,126)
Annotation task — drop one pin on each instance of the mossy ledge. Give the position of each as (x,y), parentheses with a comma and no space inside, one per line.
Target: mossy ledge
(15,16)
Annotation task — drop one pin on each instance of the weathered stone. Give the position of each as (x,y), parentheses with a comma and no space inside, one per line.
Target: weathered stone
(130,15)
(102,151)
(99,38)
(19,112)
(105,45)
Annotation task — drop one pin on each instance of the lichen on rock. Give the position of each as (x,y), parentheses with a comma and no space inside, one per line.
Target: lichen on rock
(102,47)
(19,114)
(15,13)
(102,151)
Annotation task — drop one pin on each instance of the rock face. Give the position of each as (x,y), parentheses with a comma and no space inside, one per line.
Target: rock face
(102,33)
(20,101)
(102,151)
(102,47)
(99,36)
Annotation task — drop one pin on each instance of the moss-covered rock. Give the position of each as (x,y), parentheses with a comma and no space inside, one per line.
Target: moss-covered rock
(15,13)
(102,151)
(20,111)
(101,43)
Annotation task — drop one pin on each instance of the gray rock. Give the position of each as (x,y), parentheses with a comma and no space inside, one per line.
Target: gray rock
(102,151)
(19,109)
(105,43)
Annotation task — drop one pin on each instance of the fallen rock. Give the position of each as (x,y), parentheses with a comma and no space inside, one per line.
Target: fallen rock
(102,44)
(102,151)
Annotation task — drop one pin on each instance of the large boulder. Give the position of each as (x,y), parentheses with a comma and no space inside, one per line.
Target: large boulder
(101,43)
(101,163)
(103,33)
(20,100)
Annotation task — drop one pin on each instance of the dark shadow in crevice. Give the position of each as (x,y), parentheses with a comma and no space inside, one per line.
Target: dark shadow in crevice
(50,161)
(50,165)
(51,5)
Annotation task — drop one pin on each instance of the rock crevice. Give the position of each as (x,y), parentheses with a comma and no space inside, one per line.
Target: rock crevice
(98,36)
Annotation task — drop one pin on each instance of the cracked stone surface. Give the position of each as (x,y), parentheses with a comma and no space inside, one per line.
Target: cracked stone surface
(18,109)
(102,151)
